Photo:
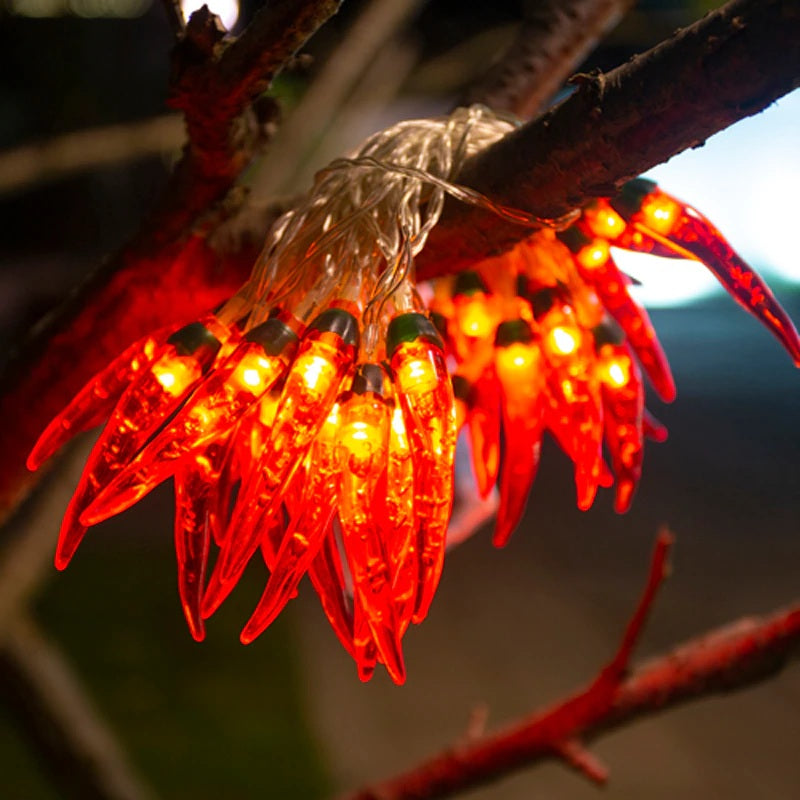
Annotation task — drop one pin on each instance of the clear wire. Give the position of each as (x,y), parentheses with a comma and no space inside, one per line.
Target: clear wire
(368,215)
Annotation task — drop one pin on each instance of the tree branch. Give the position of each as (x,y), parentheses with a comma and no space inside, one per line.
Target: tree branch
(732,657)
(729,65)
(88,149)
(553,39)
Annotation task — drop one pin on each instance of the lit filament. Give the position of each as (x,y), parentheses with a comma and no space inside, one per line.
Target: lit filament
(660,213)
(604,221)
(593,255)
(562,341)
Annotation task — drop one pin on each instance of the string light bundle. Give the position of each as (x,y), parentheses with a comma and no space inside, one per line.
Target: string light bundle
(313,417)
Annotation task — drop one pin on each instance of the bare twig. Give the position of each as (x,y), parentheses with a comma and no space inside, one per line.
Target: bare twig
(84,754)
(302,129)
(84,150)
(30,540)
(728,658)
(733,63)
(552,41)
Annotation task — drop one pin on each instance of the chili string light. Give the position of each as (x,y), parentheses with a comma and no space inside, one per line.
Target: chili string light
(313,418)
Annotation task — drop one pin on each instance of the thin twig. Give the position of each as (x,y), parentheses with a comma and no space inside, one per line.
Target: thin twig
(731,64)
(553,39)
(82,751)
(375,26)
(732,657)
(89,149)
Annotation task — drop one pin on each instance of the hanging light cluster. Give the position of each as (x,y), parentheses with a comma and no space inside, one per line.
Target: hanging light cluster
(314,416)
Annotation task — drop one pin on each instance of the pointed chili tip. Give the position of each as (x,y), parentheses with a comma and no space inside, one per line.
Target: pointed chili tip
(197,629)
(586,495)
(247,636)
(502,530)
(667,392)
(398,676)
(61,561)
(624,497)
(365,672)
(32,463)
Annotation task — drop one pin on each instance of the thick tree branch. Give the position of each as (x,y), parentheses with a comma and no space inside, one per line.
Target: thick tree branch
(552,41)
(732,657)
(731,64)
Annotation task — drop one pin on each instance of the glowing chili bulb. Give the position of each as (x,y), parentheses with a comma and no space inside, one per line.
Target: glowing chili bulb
(520,372)
(362,449)
(484,429)
(141,410)
(685,231)
(574,412)
(327,578)
(195,488)
(310,522)
(473,310)
(611,287)
(623,404)
(96,400)
(399,528)
(240,380)
(326,354)
(603,221)
(426,396)
(593,255)
(562,340)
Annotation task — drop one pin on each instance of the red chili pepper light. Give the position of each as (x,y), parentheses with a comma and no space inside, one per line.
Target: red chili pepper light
(596,266)
(310,521)
(520,372)
(195,490)
(399,522)
(96,400)
(623,407)
(253,368)
(362,448)
(327,578)
(426,397)
(685,231)
(325,356)
(574,414)
(144,406)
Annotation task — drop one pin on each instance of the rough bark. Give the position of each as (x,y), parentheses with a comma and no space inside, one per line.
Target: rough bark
(729,65)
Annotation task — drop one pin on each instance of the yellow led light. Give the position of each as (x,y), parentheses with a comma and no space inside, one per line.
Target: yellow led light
(593,255)
(251,377)
(562,341)
(605,222)
(514,361)
(660,213)
(315,369)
